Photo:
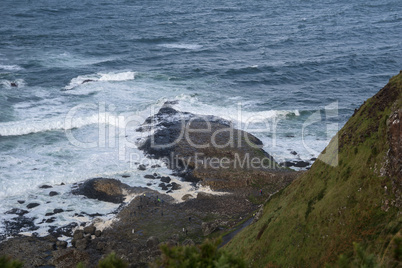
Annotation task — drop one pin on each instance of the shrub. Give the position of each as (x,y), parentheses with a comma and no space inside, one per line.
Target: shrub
(361,258)
(6,262)
(205,255)
(111,261)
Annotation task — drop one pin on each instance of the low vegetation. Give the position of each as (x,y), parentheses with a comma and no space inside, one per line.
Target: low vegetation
(324,212)
(205,255)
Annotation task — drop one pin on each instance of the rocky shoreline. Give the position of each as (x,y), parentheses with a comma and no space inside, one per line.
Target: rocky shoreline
(147,218)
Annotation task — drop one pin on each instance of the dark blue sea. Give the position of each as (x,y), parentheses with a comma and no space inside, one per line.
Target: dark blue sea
(78,77)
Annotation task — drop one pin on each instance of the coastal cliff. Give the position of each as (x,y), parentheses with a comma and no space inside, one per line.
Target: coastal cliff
(352,194)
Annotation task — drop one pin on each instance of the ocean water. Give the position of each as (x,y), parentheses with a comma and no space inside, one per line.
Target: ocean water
(89,73)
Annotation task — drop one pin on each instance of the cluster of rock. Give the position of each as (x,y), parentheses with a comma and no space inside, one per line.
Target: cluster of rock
(166,183)
(81,238)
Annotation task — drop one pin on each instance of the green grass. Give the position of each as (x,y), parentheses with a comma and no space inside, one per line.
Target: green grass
(322,213)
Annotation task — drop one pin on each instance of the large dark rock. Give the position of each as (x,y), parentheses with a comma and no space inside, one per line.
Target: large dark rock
(207,149)
(90,230)
(32,205)
(109,190)
(165,179)
(175,186)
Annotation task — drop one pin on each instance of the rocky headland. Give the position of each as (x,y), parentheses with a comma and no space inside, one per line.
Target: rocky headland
(203,150)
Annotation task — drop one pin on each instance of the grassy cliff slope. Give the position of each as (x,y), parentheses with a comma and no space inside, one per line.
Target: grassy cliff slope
(355,199)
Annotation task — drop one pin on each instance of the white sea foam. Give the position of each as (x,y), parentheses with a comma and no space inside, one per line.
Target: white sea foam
(17,128)
(124,76)
(182,46)
(10,67)
(235,113)
(103,77)
(68,59)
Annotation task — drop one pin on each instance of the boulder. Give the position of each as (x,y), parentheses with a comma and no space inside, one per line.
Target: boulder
(142,167)
(90,230)
(82,244)
(78,234)
(32,205)
(152,242)
(53,193)
(187,197)
(165,179)
(109,190)
(52,219)
(58,210)
(98,233)
(175,186)
(163,186)
(301,164)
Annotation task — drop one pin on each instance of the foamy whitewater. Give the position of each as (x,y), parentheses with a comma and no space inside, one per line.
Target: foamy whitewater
(77,79)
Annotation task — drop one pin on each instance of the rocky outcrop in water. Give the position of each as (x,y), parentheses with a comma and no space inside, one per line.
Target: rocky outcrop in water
(109,190)
(208,149)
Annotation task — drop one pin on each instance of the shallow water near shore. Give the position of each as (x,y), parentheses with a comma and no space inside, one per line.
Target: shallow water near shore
(77,79)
